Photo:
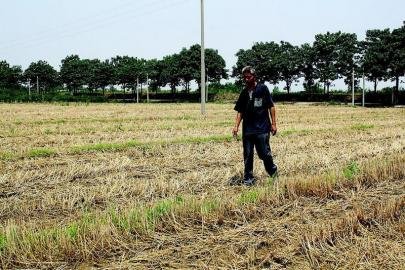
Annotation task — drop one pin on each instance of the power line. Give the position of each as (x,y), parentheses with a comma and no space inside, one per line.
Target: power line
(107,21)
(83,22)
(67,25)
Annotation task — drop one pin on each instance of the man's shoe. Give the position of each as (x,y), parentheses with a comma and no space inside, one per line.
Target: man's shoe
(249,182)
(273,172)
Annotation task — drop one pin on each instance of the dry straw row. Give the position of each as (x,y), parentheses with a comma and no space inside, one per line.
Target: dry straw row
(97,235)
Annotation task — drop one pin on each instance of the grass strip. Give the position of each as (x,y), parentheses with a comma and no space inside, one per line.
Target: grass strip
(41,152)
(112,147)
(104,120)
(103,147)
(361,127)
(288,132)
(7,156)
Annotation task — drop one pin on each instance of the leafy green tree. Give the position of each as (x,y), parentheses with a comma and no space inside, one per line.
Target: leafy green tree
(91,79)
(325,46)
(154,69)
(128,71)
(396,66)
(263,57)
(171,71)
(189,65)
(15,76)
(74,72)
(101,74)
(307,66)
(375,55)
(266,57)
(244,58)
(47,76)
(10,77)
(4,73)
(288,64)
(348,56)
(142,75)
(337,55)
(214,64)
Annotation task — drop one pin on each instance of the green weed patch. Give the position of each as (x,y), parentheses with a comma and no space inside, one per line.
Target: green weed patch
(249,196)
(362,127)
(7,156)
(102,147)
(111,147)
(209,206)
(288,132)
(72,231)
(3,242)
(218,138)
(351,170)
(134,144)
(41,152)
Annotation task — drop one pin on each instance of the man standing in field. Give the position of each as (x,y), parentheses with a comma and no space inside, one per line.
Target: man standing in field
(255,107)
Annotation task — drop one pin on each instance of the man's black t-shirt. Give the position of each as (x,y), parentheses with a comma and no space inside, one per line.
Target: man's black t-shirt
(254,109)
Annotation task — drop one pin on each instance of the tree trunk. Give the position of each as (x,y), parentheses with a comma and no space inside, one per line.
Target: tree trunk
(287,86)
(397,84)
(395,91)
(375,85)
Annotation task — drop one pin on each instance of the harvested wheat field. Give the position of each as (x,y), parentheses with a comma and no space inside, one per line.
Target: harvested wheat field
(142,186)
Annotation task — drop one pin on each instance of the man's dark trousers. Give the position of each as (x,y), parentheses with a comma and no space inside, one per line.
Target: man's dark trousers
(261,142)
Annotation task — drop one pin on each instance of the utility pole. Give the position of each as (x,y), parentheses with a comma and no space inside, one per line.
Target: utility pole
(29,89)
(363,96)
(137,90)
(147,89)
(37,85)
(206,89)
(353,87)
(202,86)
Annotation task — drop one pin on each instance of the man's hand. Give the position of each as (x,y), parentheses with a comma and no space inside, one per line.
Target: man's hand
(273,129)
(236,126)
(235,131)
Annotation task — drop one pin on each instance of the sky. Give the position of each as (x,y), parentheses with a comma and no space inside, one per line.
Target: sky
(32,30)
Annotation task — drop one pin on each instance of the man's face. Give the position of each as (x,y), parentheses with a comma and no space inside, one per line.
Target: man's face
(248,78)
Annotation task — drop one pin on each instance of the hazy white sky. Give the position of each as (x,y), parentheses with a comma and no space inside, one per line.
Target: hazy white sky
(52,29)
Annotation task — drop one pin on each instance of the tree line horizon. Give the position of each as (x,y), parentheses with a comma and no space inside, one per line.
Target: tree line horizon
(331,56)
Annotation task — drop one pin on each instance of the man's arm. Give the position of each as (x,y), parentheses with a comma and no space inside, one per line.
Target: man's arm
(272,112)
(238,119)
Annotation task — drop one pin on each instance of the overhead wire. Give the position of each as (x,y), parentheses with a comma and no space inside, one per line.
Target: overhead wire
(58,34)
(67,25)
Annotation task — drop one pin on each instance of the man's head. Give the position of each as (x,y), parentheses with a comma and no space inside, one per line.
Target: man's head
(249,75)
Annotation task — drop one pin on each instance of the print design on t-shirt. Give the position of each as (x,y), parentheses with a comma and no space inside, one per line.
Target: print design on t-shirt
(258,102)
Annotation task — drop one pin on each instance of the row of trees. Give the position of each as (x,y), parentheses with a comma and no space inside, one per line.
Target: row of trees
(129,72)
(381,56)
(332,56)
